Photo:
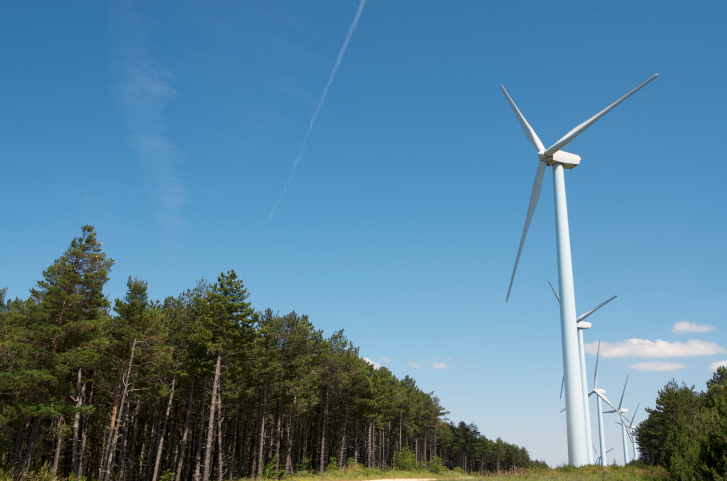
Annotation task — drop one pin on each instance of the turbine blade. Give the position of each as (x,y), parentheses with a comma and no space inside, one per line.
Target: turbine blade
(534,196)
(634,416)
(529,132)
(603,396)
(583,316)
(562,409)
(580,128)
(598,356)
(623,392)
(561,387)
(609,450)
(556,294)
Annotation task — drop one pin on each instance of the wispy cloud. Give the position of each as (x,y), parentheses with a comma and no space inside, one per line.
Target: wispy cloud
(657,366)
(373,363)
(438,365)
(658,348)
(351,29)
(686,326)
(717,364)
(143,91)
(385,359)
(415,365)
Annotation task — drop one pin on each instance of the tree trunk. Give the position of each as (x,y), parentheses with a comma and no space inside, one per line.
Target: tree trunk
(19,441)
(401,411)
(125,439)
(163,432)
(152,441)
(291,437)
(211,427)
(200,435)
(233,461)
(243,449)
(107,466)
(32,441)
(129,447)
(278,433)
(220,471)
(59,439)
(84,437)
(80,392)
(342,455)
(324,428)
(185,432)
(262,432)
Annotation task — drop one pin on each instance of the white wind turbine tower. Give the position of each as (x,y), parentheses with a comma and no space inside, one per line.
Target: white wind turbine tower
(621,412)
(581,324)
(630,430)
(557,159)
(600,394)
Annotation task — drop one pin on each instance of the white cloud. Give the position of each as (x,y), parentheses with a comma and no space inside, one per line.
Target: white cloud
(686,326)
(657,366)
(658,348)
(438,365)
(717,364)
(373,363)
(415,365)
(385,359)
(143,91)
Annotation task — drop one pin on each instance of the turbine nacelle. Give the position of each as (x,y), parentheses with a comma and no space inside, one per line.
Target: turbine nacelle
(583,325)
(566,158)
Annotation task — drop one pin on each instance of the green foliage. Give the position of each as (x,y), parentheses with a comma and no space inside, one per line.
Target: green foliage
(405,459)
(351,462)
(303,465)
(332,465)
(269,471)
(693,429)
(166,475)
(458,470)
(435,465)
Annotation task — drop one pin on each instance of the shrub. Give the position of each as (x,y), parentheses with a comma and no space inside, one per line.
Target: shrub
(332,464)
(435,465)
(405,460)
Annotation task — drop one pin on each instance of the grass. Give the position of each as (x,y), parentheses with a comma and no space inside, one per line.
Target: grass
(633,472)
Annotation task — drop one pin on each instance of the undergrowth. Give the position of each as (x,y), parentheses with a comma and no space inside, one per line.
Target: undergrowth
(632,472)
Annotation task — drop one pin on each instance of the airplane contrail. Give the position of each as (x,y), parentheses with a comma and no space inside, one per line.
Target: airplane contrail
(320,104)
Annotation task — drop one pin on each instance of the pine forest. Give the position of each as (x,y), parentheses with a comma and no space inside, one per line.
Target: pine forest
(202,386)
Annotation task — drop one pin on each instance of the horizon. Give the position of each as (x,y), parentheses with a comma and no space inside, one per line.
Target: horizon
(357,162)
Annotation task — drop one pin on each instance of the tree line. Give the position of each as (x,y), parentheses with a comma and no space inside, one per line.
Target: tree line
(201,386)
(687,430)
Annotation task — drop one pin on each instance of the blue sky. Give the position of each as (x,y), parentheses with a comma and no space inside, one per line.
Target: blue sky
(173,128)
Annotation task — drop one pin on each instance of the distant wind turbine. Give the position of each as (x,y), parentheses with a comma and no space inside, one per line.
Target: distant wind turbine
(578,452)
(621,411)
(598,455)
(600,394)
(581,324)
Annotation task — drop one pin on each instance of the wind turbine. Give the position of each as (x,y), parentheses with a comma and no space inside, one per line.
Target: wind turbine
(557,159)
(599,454)
(631,430)
(621,412)
(600,394)
(581,324)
